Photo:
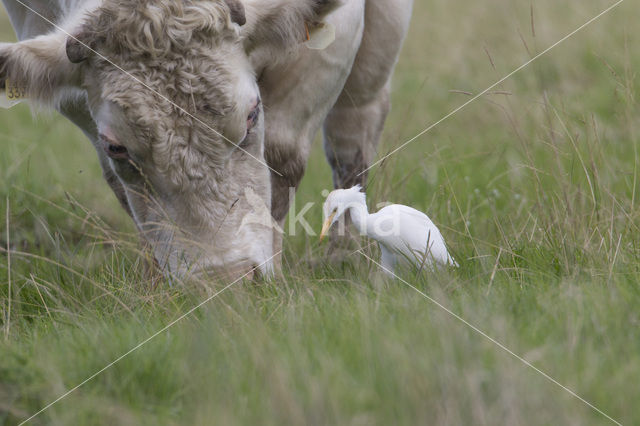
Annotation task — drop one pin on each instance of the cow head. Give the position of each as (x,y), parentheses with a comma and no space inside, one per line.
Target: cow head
(172,88)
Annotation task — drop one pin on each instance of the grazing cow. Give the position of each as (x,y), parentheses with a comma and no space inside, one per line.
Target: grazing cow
(189,103)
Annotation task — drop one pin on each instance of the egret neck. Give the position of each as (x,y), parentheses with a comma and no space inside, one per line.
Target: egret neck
(359,214)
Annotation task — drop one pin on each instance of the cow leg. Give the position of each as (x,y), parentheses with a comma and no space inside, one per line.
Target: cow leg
(352,133)
(292,167)
(354,126)
(298,96)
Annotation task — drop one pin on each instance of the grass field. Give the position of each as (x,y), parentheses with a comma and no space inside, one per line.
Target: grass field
(534,186)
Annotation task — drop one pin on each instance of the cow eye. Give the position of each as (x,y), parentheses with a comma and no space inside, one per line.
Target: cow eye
(114,150)
(252,118)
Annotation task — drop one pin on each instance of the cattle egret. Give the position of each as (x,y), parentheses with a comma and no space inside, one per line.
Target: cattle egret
(402,232)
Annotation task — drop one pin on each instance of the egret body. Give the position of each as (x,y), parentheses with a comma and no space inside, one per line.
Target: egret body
(402,232)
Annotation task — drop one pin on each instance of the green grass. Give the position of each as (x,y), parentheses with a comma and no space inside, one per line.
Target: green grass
(535,188)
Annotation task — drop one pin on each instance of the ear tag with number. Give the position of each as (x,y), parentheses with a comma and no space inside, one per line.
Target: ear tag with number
(12,95)
(320,36)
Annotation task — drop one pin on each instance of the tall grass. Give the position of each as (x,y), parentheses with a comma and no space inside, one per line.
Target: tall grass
(534,186)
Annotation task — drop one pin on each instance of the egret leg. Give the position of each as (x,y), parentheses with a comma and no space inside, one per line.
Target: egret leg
(387,260)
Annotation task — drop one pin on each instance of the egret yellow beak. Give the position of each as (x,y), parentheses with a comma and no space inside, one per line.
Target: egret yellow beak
(326,225)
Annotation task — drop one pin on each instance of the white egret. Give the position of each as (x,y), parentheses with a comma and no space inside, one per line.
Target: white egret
(402,232)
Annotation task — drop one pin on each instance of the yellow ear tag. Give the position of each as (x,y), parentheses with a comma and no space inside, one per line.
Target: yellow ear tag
(12,95)
(320,36)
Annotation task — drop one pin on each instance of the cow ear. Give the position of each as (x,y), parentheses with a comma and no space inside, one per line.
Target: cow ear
(283,23)
(79,47)
(39,65)
(236,8)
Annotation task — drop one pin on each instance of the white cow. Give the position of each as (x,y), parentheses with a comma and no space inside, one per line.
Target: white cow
(189,103)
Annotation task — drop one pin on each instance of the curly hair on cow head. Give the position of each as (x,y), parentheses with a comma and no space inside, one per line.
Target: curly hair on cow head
(177,50)
(154,28)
